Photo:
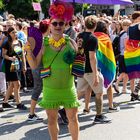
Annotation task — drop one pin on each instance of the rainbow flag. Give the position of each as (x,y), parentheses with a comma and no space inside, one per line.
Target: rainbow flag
(105,57)
(132,58)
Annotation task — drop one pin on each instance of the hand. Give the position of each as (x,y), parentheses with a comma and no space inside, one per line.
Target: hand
(96,82)
(79,42)
(27,47)
(12,58)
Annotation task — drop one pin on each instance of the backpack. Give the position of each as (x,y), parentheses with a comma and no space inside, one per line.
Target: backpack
(116,45)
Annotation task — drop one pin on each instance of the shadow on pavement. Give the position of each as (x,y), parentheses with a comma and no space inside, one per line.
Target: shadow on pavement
(9,127)
(39,133)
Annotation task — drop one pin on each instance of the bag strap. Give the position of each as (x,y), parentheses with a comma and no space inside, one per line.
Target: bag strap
(56,55)
(46,43)
(122,33)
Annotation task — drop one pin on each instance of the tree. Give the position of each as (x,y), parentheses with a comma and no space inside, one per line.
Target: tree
(21,8)
(45,6)
(1,5)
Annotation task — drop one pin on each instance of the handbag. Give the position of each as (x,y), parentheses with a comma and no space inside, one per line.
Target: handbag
(46,72)
(78,66)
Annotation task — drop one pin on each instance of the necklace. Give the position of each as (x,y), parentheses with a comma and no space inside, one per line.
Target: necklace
(58,43)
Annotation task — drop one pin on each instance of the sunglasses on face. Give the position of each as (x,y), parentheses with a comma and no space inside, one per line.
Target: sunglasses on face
(58,23)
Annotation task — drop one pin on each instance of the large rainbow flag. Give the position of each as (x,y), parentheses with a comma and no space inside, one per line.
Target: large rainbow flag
(105,57)
(132,58)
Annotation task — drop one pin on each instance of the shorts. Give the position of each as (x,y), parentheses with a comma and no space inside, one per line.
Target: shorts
(87,81)
(122,67)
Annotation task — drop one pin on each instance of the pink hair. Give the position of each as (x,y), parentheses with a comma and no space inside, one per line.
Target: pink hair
(61,10)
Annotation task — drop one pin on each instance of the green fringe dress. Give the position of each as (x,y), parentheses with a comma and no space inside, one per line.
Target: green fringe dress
(58,89)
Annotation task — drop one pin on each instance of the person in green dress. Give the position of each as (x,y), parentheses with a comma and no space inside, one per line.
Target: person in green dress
(58,82)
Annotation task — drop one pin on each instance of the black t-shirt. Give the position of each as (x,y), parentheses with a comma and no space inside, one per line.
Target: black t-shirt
(90,43)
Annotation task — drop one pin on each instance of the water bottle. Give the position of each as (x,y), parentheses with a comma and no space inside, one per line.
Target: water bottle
(16,62)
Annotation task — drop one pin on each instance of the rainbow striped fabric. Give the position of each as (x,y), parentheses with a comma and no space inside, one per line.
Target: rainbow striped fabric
(78,67)
(105,57)
(132,58)
(46,72)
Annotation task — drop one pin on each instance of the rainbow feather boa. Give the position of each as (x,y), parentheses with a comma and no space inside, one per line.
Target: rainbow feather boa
(105,57)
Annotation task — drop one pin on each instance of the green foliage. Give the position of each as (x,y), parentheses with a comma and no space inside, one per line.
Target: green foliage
(1,5)
(24,9)
(21,8)
(45,6)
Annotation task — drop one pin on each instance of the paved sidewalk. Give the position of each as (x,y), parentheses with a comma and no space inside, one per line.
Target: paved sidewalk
(125,124)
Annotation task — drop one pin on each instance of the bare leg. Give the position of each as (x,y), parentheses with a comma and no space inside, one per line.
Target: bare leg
(52,123)
(32,108)
(118,81)
(16,91)
(110,96)
(99,103)
(87,98)
(73,123)
(81,94)
(125,80)
(9,91)
(132,85)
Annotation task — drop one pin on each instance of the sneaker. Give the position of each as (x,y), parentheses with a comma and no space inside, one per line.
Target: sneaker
(116,88)
(113,109)
(62,115)
(33,118)
(6,105)
(11,97)
(21,106)
(101,119)
(134,97)
(85,111)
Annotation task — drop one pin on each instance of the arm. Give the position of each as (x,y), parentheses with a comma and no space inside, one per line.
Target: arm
(73,44)
(33,62)
(5,56)
(93,63)
(139,27)
(24,68)
(2,40)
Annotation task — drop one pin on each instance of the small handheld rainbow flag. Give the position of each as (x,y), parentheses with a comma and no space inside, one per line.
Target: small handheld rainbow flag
(106,58)
(132,58)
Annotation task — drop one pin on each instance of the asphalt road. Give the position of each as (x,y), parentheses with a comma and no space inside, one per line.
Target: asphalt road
(125,124)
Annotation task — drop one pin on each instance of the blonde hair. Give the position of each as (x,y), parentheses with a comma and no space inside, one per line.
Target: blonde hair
(90,22)
(126,22)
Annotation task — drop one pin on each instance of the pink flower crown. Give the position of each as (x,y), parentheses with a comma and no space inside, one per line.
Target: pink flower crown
(62,10)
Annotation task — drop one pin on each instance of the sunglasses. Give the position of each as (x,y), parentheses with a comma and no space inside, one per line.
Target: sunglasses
(58,23)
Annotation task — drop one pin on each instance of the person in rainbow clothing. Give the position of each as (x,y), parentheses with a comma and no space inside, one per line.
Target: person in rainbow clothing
(58,82)
(132,55)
